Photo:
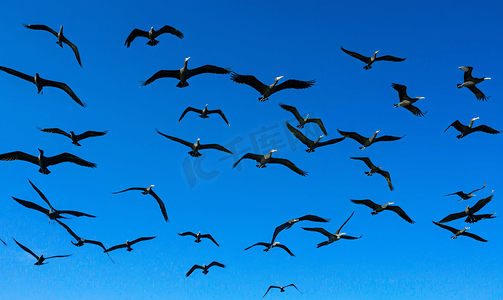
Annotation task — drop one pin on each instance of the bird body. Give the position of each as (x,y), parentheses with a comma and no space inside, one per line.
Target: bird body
(466,130)
(370,60)
(146,191)
(74,137)
(196,146)
(204,113)
(458,232)
(269,246)
(406,101)
(204,267)
(152,34)
(199,236)
(333,237)
(44,161)
(379,208)
(374,169)
(184,73)
(366,142)
(268,90)
(264,159)
(470,82)
(61,38)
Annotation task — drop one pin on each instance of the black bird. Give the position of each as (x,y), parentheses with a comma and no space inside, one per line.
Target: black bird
(41,82)
(282,288)
(268,90)
(128,244)
(379,208)
(264,159)
(333,237)
(199,236)
(152,34)
(196,146)
(466,196)
(269,246)
(61,38)
(470,83)
(41,258)
(290,223)
(311,144)
(466,130)
(184,74)
(458,232)
(74,137)
(52,213)
(146,191)
(204,113)
(204,267)
(303,121)
(366,142)
(469,212)
(406,101)
(370,60)
(374,169)
(45,162)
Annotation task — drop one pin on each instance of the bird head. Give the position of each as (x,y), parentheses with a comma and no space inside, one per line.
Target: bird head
(41,151)
(376,52)
(278,78)
(467,228)
(206,105)
(389,203)
(198,139)
(187,59)
(475,118)
(151,185)
(378,130)
(420,98)
(485,78)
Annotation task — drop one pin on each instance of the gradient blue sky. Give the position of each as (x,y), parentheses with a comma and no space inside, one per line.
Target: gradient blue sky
(242,206)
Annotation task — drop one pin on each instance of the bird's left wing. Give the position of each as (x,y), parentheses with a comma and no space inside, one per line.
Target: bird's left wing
(67,157)
(289,164)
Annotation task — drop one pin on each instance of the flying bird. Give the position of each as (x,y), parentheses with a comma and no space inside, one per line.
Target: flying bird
(374,169)
(458,232)
(146,191)
(370,60)
(128,244)
(406,101)
(366,142)
(264,159)
(470,211)
(333,237)
(41,82)
(204,267)
(152,34)
(470,83)
(466,196)
(267,90)
(379,208)
(196,146)
(41,258)
(74,137)
(52,213)
(311,144)
(199,236)
(61,38)
(282,288)
(290,223)
(184,74)
(204,113)
(45,162)
(466,130)
(303,121)
(269,246)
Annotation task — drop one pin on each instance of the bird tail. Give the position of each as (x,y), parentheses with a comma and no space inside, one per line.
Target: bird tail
(153,42)
(182,84)
(44,171)
(460,86)
(367,67)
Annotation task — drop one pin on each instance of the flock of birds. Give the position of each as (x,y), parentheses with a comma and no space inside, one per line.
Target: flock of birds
(266,91)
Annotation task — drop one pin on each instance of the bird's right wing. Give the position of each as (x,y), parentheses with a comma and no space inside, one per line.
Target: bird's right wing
(169,29)
(41,195)
(353,135)
(89,134)
(218,111)
(67,157)
(481,203)
(161,205)
(255,157)
(192,269)
(74,48)
(18,74)
(216,263)
(474,236)
(285,248)
(456,124)
(71,231)
(130,189)
(339,230)
(26,249)
(320,230)
(478,188)
(258,244)
(18,155)
(175,139)
(294,287)
(208,236)
(214,146)
(389,58)
(365,59)
(366,202)
(299,135)
(199,111)
(66,88)
(54,130)
(289,164)
(452,217)
(141,239)
(478,93)
(451,229)
(366,160)
(40,27)
(414,110)
(293,84)
(161,74)
(187,233)
(400,212)
(249,80)
(293,110)
(386,175)
(135,33)
(388,138)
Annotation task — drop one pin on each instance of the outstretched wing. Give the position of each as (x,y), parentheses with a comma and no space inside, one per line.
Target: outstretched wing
(478,188)
(320,230)
(272,286)
(199,111)
(141,239)
(474,236)
(75,213)
(66,88)
(40,27)
(31,205)
(486,129)
(478,93)
(130,189)
(18,74)
(161,74)
(89,134)
(293,286)
(319,122)
(57,256)
(175,139)
(452,217)
(387,138)
(366,160)
(187,233)
(255,157)
(54,130)
(75,236)
(293,84)
(386,175)
(74,48)
(18,155)
(161,205)
(366,202)
(169,29)
(289,164)
(400,212)
(26,249)
(353,135)
(414,110)
(208,69)
(115,247)
(216,263)
(193,268)
(451,229)
(389,58)
(134,34)
(481,203)
(299,135)
(41,195)
(67,157)
(251,81)
(218,111)
(214,146)
(258,244)
(365,59)
(208,236)
(339,230)
(285,248)
(293,110)
(348,237)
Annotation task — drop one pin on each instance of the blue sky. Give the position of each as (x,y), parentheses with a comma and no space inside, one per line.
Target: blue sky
(242,206)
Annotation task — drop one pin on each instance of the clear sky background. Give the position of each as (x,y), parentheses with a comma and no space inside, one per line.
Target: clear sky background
(242,206)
